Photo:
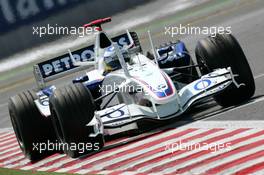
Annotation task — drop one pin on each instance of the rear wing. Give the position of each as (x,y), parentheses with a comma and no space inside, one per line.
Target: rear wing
(62,65)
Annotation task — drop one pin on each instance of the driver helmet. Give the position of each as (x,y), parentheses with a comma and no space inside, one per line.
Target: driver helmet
(111,60)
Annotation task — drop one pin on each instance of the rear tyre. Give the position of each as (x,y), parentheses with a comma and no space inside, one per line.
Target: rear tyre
(31,128)
(72,107)
(224,51)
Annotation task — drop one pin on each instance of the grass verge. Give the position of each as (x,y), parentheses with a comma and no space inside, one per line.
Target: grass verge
(4,171)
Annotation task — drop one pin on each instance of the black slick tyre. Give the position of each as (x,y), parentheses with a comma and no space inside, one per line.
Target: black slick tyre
(224,51)
(72,107)
(31,128)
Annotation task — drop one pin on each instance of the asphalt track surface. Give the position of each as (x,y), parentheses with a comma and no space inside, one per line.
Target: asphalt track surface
(246,19)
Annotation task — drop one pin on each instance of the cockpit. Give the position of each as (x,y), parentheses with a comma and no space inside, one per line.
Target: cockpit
(111,59)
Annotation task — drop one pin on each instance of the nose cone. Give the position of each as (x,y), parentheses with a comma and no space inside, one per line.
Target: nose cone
(157,84)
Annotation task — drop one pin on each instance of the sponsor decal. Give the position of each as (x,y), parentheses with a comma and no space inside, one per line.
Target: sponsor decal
(63,63)
(117,114)
(202,84)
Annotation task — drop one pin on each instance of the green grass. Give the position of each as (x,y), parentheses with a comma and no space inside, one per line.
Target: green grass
(4,171)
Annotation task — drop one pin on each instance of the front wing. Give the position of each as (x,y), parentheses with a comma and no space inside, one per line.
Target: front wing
(124,117)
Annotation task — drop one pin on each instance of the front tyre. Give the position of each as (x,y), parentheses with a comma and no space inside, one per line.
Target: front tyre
(72,108)
(31,128)
(224,51)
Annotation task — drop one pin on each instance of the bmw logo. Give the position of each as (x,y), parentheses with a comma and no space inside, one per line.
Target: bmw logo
(202,84)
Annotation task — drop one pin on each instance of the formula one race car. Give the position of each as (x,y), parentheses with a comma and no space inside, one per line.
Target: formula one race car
(124,88)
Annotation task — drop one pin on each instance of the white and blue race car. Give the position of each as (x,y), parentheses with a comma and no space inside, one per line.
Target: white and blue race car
(124,88)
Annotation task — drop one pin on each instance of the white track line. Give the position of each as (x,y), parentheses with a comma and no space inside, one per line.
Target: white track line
(7,137)
(21,163)
(78,165)
(5,133)
(203,124)
(242,166)
(10,161)
(257,124)
(145,150)
(130,146)
(254,124)
(9,129)
(202,169)
(43,162)
(56,165)
(129,173)
(259,76)
(8,146)
(185,154)
(156,155)
(260,172)
(9,150)
(154,147)
(209,166)
(9,141)
(201,158)
(10,155)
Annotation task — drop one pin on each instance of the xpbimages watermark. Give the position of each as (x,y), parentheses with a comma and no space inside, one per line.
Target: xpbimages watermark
(173,31)
(182,146)
(130,88)
(41,31)
(58,146)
